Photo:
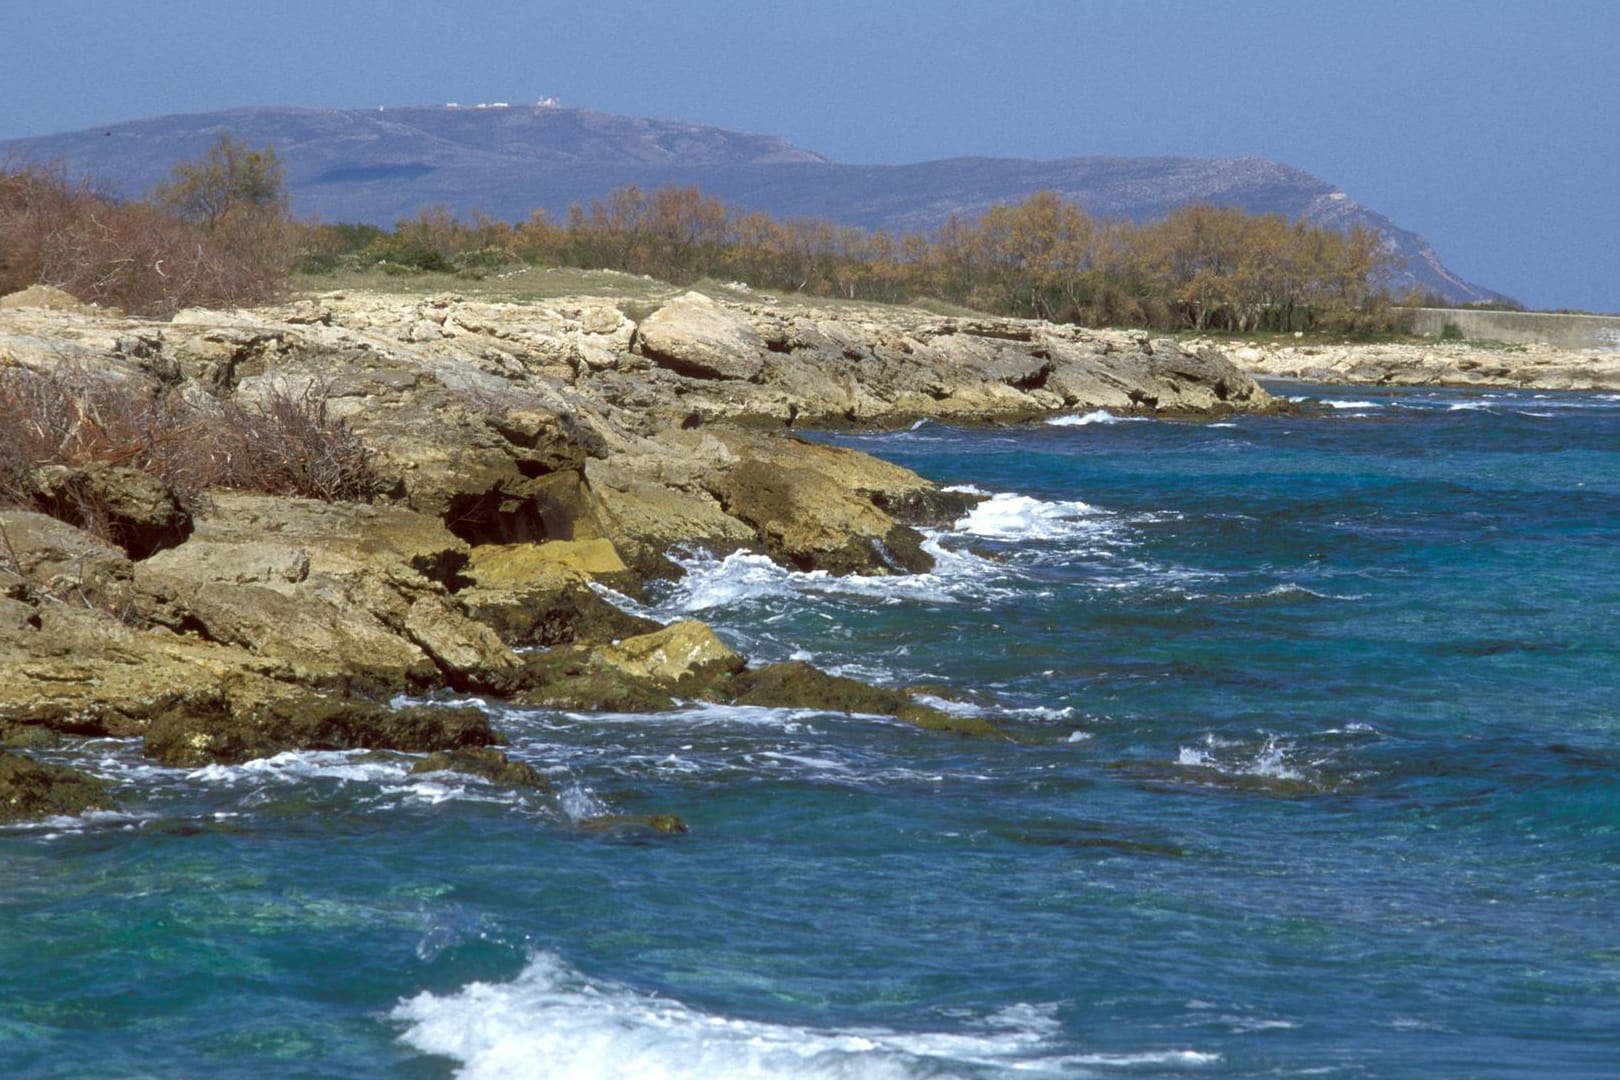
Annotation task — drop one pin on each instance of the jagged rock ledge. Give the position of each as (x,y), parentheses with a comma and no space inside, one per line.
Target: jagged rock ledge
(528,454)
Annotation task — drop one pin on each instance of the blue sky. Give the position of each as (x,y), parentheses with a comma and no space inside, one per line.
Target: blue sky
(1490,128)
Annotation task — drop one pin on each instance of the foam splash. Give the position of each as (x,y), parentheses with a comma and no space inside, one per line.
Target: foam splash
(1096,416)
(551,1021)
(1333,404)
(1019,517)
(368,779)
(709,583)
(1273,760)
(578,802)
(291,766)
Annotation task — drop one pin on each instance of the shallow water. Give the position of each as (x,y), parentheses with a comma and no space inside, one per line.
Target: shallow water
(1317,773)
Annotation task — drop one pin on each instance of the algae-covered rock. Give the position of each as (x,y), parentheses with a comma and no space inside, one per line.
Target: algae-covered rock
(794,684)
(577,679)
(32,789)
(215,732)
(491,765)
(636,674)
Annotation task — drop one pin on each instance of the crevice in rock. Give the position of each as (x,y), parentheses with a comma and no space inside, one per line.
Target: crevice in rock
(1035,380)
(494,517)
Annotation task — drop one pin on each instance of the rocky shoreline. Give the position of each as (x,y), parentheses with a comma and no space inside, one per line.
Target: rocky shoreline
(527,456)
(1438,363)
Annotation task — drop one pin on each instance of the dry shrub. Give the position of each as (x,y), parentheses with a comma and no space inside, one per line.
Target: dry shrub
(81,419)
(134,256)
(284,445)
(287,444)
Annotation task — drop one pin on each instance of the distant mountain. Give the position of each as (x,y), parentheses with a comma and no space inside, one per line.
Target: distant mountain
(379,165)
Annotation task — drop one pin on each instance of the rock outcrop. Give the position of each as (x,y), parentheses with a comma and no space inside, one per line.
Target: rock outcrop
(1438,363)
(530,458)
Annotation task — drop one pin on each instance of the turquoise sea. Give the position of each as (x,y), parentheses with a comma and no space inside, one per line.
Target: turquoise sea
(1317,773)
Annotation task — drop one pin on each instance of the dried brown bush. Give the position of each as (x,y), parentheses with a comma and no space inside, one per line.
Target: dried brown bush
(285,444)
(134,256)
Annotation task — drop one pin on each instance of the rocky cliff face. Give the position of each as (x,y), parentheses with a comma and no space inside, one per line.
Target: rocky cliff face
(524,452)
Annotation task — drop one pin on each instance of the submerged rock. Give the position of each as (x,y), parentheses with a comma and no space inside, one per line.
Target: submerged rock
(32,789)
(634,824)
(481,761)
(794,684)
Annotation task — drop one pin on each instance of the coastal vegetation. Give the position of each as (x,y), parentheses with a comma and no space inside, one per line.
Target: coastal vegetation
(219,233)
(1203,268)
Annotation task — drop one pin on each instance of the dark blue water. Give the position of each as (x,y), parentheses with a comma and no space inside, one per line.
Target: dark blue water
(1316,773)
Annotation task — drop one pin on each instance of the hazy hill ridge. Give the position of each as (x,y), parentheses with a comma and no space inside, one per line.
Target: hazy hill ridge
(376,165)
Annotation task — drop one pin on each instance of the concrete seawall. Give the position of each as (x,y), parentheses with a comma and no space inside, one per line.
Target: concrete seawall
(1572,332)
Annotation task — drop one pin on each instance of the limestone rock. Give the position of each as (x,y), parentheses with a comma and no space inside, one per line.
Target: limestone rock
(133,509)
(683,654)
(47,297)
(648,519)
(695,336)
(540,594)
(301,637)
(277,536)
(55,560)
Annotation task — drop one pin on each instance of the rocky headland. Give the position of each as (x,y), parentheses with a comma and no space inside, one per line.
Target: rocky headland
(529,459)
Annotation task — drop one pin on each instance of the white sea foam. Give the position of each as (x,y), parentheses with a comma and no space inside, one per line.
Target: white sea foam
(1096,416)
(553,1022)
(294,765)
(1334,404)
(375,780)
(1019,517)
(1273,760)
(710,583)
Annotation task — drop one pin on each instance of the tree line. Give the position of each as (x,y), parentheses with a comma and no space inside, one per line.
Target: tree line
(1200,268)
(219,233)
